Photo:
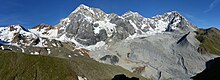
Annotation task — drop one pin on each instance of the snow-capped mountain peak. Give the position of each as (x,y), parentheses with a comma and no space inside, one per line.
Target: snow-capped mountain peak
(17,28)
(82,7)
(131,13)
(173,12)
(17,34)
(45,30)
(88,25)
(88,13)
(170,21)
(42,26)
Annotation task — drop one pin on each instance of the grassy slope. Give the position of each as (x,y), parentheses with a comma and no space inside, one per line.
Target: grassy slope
(210,39)
(18,66)
(96,71)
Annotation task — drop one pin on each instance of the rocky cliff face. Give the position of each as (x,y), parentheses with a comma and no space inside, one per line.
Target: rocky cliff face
(161,47)
(91,25)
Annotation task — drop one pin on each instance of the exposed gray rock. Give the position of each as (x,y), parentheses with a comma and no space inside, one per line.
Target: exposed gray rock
(166,55)
(134,17)
(123,26)
(112,59)
(81,24)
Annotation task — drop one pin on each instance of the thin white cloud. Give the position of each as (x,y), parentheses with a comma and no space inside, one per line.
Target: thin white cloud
(196,21)
(193,18)
(212,5)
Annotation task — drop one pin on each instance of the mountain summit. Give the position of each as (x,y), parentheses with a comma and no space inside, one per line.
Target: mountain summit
(91,25)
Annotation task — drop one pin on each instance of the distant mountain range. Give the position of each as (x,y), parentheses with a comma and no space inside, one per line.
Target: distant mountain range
(162,47)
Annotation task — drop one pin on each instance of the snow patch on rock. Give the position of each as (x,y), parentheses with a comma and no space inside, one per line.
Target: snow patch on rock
(96,46)
(109,27)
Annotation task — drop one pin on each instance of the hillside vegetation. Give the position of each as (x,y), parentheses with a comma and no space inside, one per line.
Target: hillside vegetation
(19,66)
(210,39)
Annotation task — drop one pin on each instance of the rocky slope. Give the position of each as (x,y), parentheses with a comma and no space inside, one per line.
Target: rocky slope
(161,56)
(161,47)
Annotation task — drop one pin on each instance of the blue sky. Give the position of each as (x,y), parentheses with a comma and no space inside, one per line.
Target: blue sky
(29,13)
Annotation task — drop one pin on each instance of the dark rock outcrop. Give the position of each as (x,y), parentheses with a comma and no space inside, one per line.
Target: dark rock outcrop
(113,59)
(123,77)
(211,72)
